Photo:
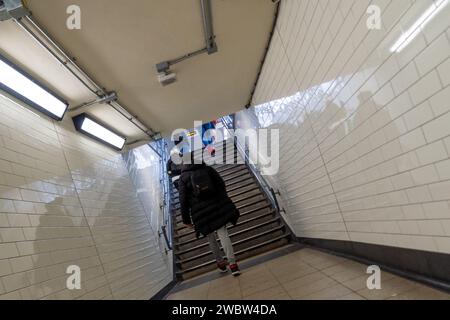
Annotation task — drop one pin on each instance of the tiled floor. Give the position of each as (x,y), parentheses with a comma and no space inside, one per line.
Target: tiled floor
(307,274)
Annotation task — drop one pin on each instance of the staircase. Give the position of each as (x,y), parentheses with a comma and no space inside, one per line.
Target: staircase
(259,229)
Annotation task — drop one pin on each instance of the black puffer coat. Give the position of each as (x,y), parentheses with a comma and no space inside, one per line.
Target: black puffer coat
(206,215)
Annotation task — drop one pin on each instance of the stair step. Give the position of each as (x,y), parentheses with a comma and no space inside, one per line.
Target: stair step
(229,172)
(246,214)
(235,244)
(177,212)
(192,241)
(202,249)
(231,183)
(203,245)
(234,175)
(259,229)
(254,200)
(225,166)
(224,149)
(244,184)
(236,198)
(242,190)
(248,196)
(225,160)
(249,252)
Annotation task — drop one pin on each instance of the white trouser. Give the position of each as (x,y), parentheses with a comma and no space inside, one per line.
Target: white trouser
(226,245)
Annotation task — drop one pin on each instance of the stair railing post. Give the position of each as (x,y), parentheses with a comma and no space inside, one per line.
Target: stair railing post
(166,204)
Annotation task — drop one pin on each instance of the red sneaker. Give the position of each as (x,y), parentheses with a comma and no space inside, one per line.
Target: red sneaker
(235,270)
(222,266)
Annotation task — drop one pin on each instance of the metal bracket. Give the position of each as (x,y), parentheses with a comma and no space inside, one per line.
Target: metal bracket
(163,67)
(12,9)
(107,98)
(210,40)
(211,45)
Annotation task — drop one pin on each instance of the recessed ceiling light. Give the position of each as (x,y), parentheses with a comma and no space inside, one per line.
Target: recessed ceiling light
(98,131)
(23,87)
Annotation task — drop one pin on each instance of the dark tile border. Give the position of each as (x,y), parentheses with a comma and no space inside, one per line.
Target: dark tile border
(164,291)
(430,268)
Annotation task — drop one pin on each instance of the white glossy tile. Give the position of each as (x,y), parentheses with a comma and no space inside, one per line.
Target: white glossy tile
(387,158)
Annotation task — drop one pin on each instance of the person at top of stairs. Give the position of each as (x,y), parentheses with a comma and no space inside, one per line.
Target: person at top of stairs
(174,172)
(207,136)
(205,206)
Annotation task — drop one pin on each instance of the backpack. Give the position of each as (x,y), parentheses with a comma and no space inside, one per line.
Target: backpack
(202,184)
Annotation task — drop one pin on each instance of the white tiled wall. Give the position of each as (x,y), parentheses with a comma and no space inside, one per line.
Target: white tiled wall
(144,166)
(67,200)
(365,133)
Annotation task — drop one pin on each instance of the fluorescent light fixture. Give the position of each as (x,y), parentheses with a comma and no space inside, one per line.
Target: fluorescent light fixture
(20,85)
(98,131)
(419,25)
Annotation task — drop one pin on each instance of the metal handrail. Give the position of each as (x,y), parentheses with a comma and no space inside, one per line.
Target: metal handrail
(166,206)
(166,238)
(270,193)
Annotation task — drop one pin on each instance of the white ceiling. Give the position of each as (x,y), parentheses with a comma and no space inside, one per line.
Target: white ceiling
(121,41)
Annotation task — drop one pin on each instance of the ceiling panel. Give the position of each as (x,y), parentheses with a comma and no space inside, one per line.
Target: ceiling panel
(121,41)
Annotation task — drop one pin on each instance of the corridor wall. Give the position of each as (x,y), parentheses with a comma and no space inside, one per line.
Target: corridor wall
(364,131)
(67,200)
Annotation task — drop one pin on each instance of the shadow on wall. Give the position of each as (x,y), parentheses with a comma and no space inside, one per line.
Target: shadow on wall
(53,285)
(143,166)
(328,128)
(108,238)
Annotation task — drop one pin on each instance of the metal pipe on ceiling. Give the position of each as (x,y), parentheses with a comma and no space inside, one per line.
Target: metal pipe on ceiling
(208,28)
(42,38)
(109,97)
(187,56)
(68,60)
(136,121)
(53,51)
(210,40)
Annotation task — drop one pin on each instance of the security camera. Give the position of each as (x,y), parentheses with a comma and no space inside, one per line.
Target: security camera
(166,78)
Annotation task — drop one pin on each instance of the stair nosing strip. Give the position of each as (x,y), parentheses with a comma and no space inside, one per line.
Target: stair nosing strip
(255,187)
(277,218)
(180,262)
(286,235)
(238,207)
(244,198)
(242,215)
(250,204)
(234,188)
